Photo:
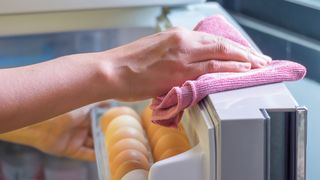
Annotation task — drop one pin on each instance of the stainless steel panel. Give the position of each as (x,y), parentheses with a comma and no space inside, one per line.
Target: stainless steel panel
(301,142)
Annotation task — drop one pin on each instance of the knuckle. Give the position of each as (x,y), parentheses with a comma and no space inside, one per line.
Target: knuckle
(222,46)
(203,68)
(249,54)
(178,35)
(213,66)
(235,66)
(217,65)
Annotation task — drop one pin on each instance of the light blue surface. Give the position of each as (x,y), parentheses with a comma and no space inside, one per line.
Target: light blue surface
(307,93)
(22,51)
(30,49)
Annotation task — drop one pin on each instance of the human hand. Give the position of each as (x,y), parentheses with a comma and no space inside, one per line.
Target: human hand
(153,65)
(68,135)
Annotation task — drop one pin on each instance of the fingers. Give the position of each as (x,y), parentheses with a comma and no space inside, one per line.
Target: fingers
(84,153)
(88,142)
(215,47)
(214,66)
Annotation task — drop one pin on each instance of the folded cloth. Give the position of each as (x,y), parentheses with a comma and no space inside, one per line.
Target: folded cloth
(168,109)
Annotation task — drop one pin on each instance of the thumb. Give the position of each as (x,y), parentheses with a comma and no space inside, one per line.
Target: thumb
(84,153)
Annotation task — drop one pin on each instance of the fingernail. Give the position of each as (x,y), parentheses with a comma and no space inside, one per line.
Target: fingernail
(260,63)
(268,58)
(265,57)
(263,63)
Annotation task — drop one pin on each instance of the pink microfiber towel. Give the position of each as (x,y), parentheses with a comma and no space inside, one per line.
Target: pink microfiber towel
(168,109)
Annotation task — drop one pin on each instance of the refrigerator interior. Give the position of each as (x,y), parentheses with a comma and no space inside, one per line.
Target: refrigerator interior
(21,162)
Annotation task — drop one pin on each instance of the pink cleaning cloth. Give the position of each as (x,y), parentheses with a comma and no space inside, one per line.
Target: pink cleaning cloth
(168,109)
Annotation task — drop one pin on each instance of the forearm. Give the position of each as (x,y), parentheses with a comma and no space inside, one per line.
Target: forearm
(34,93)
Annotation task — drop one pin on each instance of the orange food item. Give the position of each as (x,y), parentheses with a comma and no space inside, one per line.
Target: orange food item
(152,128)
(123,121)
(128,155)
(126,132)
(171,152)
(126,167)
(146,117)
(158,133)
(170,140)
(165,142)
(125,144)
(136,174)
(114,112)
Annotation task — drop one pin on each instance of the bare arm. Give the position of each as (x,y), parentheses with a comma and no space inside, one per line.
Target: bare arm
(33,93)
(142,69)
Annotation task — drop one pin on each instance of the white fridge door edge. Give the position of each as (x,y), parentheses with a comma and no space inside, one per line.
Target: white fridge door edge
(67,21)
(32,6)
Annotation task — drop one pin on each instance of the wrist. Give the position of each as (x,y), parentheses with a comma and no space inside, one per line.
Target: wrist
(106,78)
(96,75)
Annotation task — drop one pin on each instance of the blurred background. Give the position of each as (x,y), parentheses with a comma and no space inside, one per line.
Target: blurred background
(283,29)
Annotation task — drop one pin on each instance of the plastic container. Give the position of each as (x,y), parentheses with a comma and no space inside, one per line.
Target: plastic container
(193,164)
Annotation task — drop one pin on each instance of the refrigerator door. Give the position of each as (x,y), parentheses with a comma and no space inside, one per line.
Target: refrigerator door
(17,6)
(260,131)
(78,20)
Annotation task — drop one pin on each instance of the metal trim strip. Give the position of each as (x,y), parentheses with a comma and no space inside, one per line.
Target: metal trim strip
(301,142)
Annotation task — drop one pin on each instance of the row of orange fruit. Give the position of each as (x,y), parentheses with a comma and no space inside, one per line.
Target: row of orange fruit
(127,146)
(165,141)
(129,149)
